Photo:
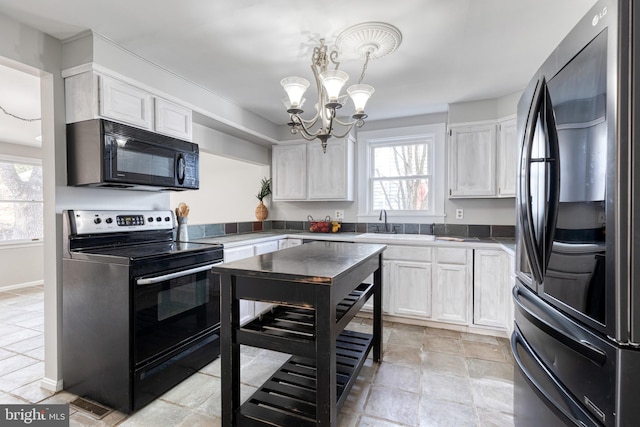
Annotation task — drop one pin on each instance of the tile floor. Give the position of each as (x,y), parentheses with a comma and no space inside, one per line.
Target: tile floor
(429,377)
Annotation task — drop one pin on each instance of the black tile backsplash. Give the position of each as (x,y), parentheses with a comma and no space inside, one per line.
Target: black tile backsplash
(454,230)
(479,231)
(245,227)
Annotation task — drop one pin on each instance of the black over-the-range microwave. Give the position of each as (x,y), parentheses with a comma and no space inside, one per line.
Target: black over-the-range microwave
(106,154)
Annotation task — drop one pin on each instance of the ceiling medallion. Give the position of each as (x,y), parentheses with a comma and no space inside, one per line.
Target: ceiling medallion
(370,40)
(377,38)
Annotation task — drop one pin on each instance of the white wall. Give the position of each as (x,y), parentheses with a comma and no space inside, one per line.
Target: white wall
(227,191)
(21,265)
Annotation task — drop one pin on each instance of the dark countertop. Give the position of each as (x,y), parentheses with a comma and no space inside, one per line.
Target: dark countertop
(315,262)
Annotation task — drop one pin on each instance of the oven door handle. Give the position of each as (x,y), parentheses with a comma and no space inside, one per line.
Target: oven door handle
(165,277)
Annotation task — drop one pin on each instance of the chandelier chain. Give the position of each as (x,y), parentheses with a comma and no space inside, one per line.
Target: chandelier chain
(18,117)
(364,67)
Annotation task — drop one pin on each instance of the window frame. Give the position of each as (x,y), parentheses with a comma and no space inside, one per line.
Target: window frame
(406,135)
(27,161)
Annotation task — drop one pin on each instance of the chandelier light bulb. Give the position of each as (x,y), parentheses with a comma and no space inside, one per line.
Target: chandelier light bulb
(333,80)
(287,102)
(295,88)
(360,94)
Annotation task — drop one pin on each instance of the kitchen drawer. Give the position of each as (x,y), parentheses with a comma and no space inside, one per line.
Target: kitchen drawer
(410,253)
(452,255)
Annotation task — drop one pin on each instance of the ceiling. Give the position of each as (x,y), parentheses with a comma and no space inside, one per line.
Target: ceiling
(451,50)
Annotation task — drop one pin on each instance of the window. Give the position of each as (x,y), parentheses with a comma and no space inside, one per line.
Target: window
(20,199)
(400,175)
(404,172)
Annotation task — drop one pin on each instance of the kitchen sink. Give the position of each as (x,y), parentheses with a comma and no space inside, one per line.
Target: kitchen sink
(390,236)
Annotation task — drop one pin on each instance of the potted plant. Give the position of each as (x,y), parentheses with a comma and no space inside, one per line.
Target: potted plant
(265,189)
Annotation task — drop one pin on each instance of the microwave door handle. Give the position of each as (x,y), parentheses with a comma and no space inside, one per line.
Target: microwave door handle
(181,166)
(526,208)
(552,163)
(170,276)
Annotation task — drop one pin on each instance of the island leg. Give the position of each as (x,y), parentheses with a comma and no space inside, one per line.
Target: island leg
(326,395)
(377,312)
(229,350)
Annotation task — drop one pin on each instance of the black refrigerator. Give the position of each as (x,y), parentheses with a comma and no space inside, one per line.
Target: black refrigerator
(576,338)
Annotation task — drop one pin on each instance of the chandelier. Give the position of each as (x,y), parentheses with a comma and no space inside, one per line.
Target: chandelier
(370,40)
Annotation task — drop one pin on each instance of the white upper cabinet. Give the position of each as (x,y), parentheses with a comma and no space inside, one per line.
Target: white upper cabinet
(91,95)
(301,171)
(331,174)
(125,103)
(289,172)
(472,160)
(507,157)
(172,119)
(483,159)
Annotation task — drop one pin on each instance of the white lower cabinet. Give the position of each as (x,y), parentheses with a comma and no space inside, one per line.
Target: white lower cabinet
(250,309)
(289,243)
(490,288)
(234,254)
(259,249)
(386,279)
(412,288)
(406,282)
(452,285)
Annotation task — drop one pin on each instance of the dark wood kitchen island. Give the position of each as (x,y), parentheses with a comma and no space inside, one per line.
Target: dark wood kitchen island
(316,289)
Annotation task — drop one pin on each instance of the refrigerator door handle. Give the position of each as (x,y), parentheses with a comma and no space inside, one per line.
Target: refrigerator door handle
(526,209)
(553,175)
(582,347)
(571,408)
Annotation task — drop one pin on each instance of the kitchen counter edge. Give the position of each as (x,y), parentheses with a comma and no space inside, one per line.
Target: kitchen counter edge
(230,241)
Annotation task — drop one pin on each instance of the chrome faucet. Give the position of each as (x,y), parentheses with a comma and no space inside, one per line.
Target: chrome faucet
(385,219)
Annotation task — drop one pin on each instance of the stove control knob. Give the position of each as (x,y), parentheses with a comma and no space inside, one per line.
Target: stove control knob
(159,219)
(166,218)
(109,220)
(150,219)
(97,220)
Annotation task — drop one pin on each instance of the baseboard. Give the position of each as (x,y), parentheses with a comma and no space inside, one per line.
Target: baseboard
(51,385)
(21,285)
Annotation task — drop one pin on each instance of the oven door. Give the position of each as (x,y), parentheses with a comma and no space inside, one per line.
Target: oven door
(173,308)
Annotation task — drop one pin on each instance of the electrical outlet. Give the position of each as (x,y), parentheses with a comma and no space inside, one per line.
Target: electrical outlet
(339,215)
(459,214)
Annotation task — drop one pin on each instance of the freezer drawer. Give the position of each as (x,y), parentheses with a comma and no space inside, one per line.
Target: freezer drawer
(572,370)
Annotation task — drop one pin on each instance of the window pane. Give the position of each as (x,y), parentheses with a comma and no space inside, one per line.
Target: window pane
(401,160)
(20,221)
(19,181)
(20,201)
(401,194)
